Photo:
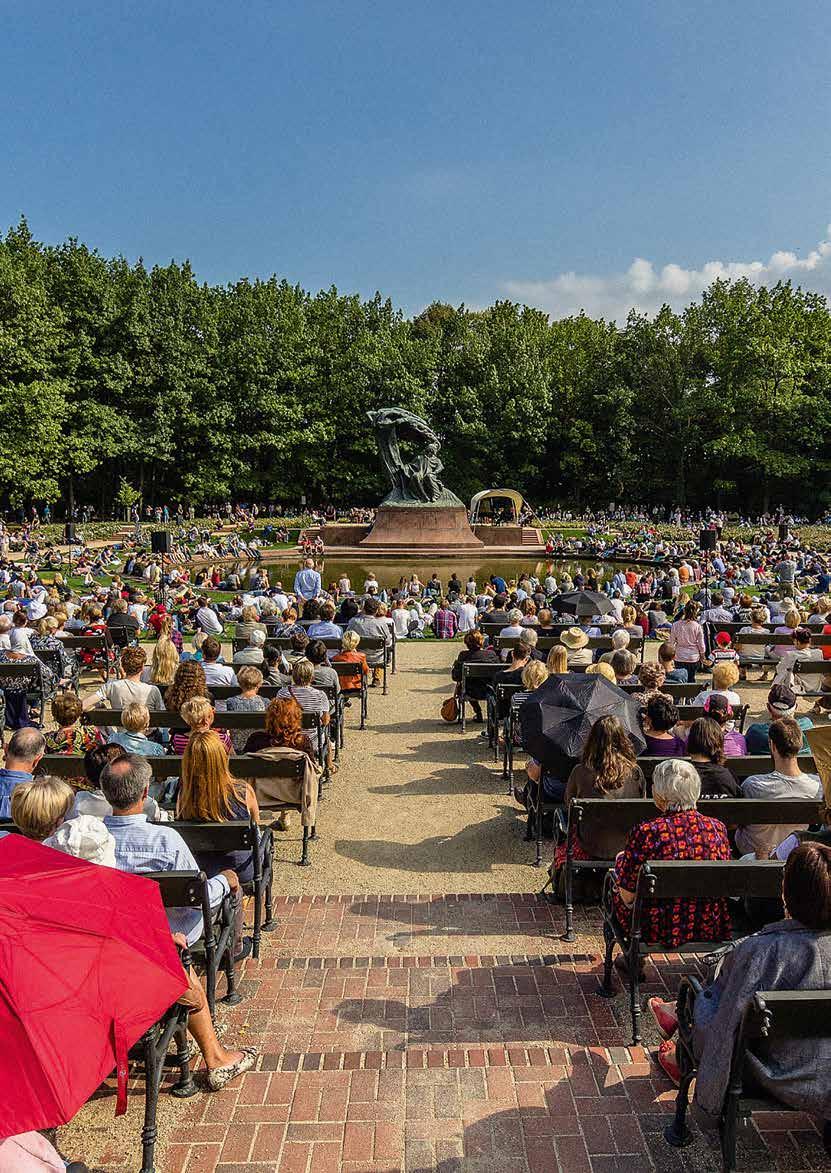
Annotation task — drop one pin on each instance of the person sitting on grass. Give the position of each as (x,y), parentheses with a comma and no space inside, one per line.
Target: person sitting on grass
(790,954)
(72,736)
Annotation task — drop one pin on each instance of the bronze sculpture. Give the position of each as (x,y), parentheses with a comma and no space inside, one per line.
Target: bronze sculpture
(415,478)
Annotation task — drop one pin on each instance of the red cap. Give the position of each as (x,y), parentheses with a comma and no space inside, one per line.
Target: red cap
(723,639)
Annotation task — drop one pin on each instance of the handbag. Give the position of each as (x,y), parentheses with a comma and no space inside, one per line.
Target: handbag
(450,709)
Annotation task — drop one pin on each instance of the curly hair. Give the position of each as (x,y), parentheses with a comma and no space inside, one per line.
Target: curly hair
(188,682)
(283,723)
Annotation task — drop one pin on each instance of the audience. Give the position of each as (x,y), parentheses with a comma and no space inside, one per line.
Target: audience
(785,780)
(71,736)
(781,703)
(659,718)
(250,681)
(23,751)
(706,751)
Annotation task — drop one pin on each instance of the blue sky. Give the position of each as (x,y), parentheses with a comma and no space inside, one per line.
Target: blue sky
(564,154)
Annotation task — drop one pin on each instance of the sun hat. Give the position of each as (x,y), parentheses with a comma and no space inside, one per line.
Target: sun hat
(574,638)
(85,837)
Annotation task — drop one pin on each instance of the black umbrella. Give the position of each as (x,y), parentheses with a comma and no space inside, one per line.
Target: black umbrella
(557,718)
(583,603)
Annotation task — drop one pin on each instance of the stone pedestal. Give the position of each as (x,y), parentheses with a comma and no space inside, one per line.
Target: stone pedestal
(421,527)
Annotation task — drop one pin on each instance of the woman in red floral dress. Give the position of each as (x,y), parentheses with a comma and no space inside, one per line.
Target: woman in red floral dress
(679,832)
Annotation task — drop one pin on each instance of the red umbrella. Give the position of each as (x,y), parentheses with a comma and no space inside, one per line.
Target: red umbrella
(87,964)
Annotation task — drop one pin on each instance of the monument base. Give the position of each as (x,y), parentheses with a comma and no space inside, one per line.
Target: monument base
(421,527)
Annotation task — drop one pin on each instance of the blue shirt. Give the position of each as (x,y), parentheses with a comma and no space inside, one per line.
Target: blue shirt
(307,583)
(8,780)
(136,743)
(324,630)
(141,846)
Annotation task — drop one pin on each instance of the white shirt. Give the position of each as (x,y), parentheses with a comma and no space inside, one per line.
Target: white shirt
(467,617)
(400,621)
(209,621)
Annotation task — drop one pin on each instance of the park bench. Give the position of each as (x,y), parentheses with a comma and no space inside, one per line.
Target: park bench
(475,671)
(100,644)
(587,815)
(367,645)
(545,643)
(346,671)
(678,692)
(164,718)
(152,1049)
(252,767)
(214,949)
(239,835)
(772,1015)
(670,880)
(32,682)
(51,657)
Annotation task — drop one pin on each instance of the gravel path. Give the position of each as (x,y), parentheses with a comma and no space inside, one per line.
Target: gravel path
(416,806)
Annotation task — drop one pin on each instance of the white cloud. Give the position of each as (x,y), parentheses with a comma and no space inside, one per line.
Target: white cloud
(646,288)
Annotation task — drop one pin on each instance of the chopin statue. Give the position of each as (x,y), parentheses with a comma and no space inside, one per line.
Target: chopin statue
(415,478)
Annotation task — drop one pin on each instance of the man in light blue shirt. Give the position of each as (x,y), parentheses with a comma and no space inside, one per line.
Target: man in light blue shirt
(24,751)
(141,846)
(307,581)
(325,627)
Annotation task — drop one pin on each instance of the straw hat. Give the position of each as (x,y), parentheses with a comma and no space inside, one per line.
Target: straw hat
(574,639)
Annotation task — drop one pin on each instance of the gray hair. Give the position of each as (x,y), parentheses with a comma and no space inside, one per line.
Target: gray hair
(125,780)
(677,784)
(621,639)
(528,637)
(257,639)
(25,744)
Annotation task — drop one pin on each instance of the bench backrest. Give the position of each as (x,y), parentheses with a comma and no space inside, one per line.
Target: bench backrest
(283,643)
(546,642)
(710,879)
(14,671)
(170,766)
(164,718)
(768,639)
(678,692)
(236,835)
(590,814)
(99,641)
(791,1014)
(741,767)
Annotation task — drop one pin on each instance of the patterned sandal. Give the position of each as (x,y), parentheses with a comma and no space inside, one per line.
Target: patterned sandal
(219,1076)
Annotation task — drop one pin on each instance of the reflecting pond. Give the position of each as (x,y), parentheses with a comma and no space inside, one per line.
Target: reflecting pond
(388,572)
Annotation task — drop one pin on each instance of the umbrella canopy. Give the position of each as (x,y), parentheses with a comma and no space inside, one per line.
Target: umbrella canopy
(87,964)
(583,603)
(557,718)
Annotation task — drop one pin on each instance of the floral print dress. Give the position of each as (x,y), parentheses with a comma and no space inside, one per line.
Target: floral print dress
(684,835)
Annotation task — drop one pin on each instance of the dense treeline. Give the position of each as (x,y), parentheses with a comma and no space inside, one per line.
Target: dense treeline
(259,390)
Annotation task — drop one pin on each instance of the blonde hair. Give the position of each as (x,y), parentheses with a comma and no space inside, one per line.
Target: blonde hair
(249,677)
(792,617)
(165,661)
(196,712)
(350,641)
(39,806)
(302,672)
(557,661)
(249,614)
(135,717)
(725,674)
(533,675)
(207,790)
(601,668)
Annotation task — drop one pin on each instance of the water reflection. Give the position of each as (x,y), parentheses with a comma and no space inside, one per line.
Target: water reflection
(388,573)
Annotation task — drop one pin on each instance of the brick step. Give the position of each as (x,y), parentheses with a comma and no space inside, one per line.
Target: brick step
(556,1056)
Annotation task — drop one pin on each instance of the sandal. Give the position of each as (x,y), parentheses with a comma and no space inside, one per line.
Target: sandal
(668,1062)
(219,1076)
(665,1020)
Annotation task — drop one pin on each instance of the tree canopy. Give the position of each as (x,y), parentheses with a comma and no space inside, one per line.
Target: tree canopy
(112,374)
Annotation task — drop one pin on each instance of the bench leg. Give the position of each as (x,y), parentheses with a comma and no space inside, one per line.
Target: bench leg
(384,689)
(727,1132)
(304,855)
(185,1088)
(568,935)
(232,996)
(606,988)
(677,1134)
(363,704)
(538,856)
(635,995)
(152,1078)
